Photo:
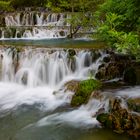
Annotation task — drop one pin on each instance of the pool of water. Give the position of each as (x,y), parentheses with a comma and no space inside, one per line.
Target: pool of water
(55,43)
(29,123)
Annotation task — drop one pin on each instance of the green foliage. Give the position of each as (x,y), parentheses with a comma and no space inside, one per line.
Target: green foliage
(129,43)
(119,25)
(27,3)
(5,6)
(84,91)
(134,104)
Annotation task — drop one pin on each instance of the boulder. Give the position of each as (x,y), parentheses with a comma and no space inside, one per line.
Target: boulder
(95,55)
(72,85)
(134,104)
(108,71)
(119,66)
(130,76)
(71,52)
(107,59)
(83,92)
(119,119)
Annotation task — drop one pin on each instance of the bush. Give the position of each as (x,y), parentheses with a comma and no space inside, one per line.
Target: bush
(122,41)
(5,6)
(27,3)
(84,91)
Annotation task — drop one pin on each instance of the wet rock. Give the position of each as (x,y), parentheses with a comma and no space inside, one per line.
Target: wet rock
(87,61)
(2,20)
(71,52)
(130,76)
(97,95)
(101,66)
(95,55)
(84,90)
(119,66)
(24,78)
(72,63)
(119,119)
(134,104)
(110,71)
(101,74)
(121,57)
(62,33)
(107,58)
(113,84)
(72,85)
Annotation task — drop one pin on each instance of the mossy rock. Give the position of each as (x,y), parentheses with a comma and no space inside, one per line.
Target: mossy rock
(62,33)
(71,52)
(84,91)
(95,55)
(72,85)
(107,59)
(102,118)
(119,119)
(134,104)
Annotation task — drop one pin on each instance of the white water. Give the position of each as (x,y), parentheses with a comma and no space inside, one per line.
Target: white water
(39,25)
(36,19)
(35,76)
(33,25)
(37,67)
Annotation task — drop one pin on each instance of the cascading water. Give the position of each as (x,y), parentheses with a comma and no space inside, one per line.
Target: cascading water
(45,67)
(32,86)
(34,25)
(36,19)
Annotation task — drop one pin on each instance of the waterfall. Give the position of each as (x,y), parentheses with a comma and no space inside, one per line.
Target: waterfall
(41,66)
(35,19)
(35,25)
(33,75)
(34,100)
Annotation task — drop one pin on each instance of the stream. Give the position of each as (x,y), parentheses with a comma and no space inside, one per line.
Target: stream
(34,104)
(36,61)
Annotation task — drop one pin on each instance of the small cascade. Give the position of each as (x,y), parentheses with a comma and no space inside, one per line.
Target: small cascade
(33,95)
(34,67)
(35,25)
(35,19)
(33,32)
(39,25)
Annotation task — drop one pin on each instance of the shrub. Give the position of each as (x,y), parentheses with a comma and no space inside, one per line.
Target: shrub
(84,91)
(5,6)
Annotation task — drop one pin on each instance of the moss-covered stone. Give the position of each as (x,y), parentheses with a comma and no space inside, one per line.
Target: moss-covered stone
(71,52)
(72,85)
(134,104)
(119,119)
(84,91)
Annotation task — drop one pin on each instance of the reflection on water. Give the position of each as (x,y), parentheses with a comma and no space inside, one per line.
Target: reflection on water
(55,43)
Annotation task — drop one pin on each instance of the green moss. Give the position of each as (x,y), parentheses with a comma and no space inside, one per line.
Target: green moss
(84,91)
(134,104)
(102,117)
(5,6)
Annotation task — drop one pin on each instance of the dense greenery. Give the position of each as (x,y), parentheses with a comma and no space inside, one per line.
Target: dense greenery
(56,5)
(119,25)
(5,5)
